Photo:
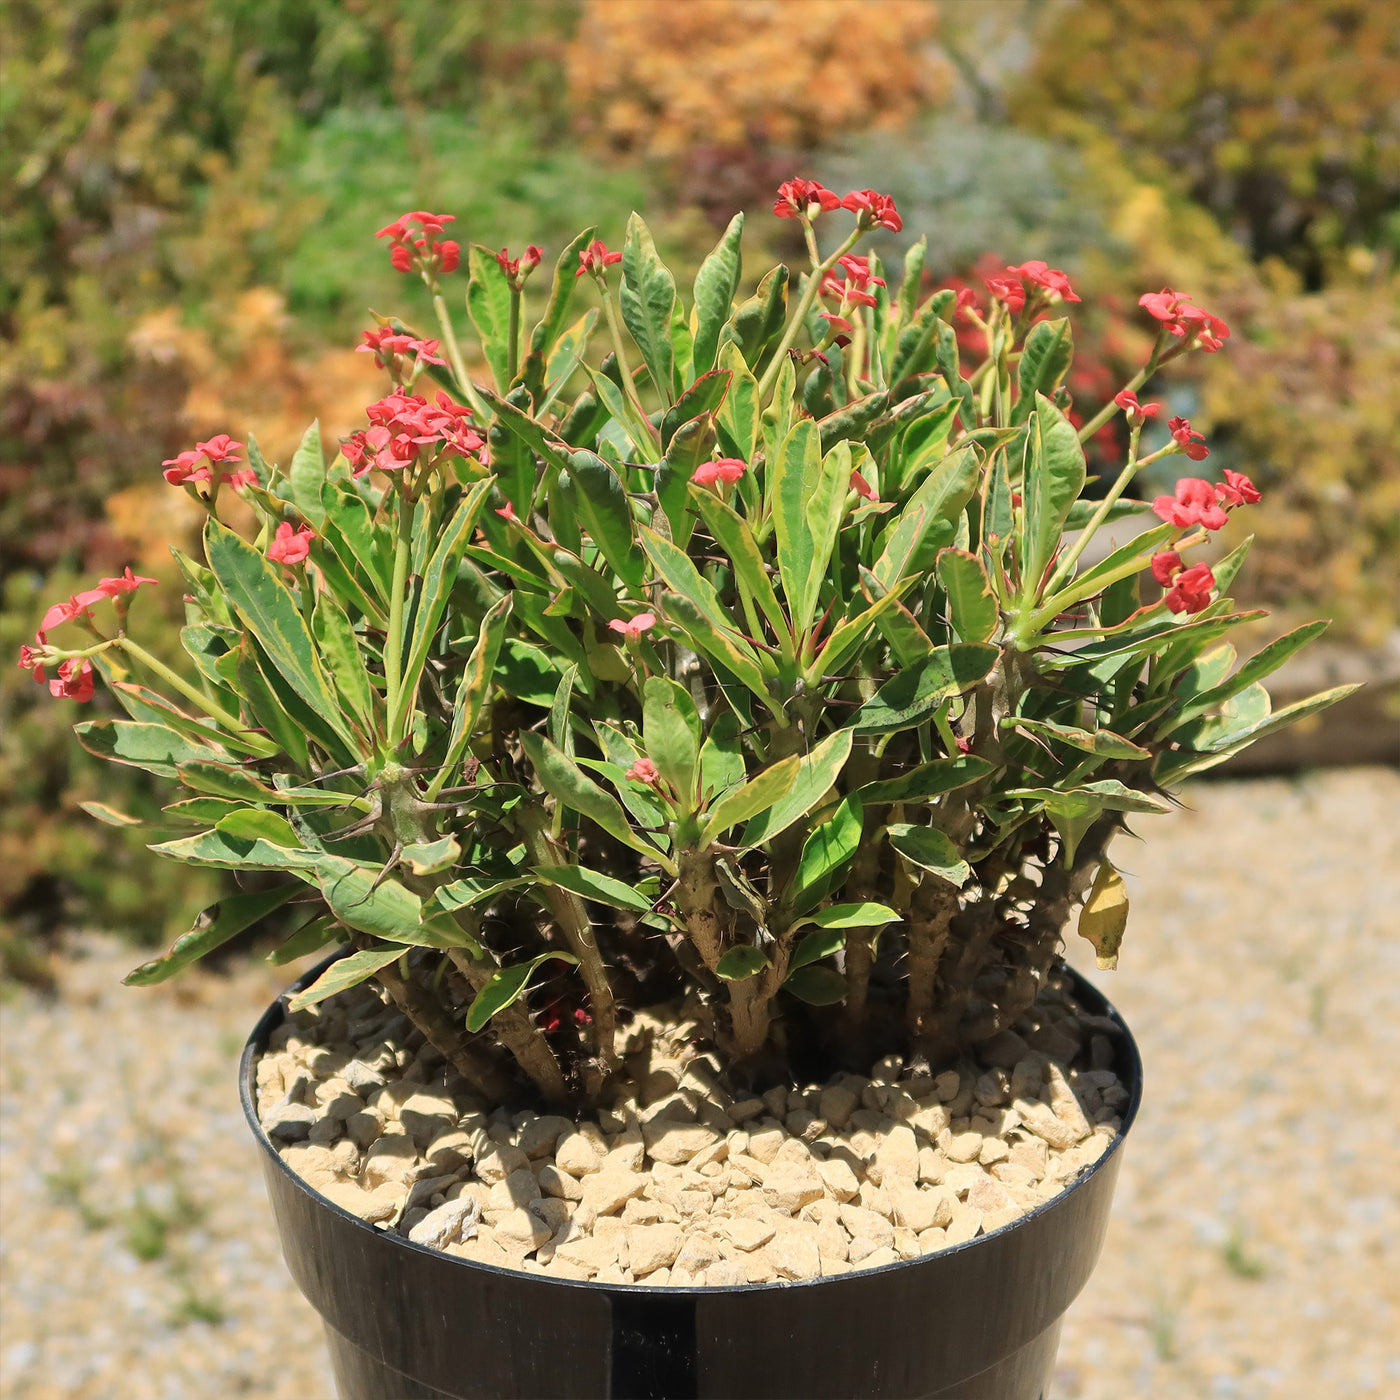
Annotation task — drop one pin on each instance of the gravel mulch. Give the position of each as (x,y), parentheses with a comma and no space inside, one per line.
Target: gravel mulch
(1252,1253)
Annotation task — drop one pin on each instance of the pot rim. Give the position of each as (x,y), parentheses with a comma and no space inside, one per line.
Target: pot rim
(1084,990)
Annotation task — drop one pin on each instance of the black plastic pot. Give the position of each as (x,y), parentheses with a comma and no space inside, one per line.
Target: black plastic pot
(980,1321)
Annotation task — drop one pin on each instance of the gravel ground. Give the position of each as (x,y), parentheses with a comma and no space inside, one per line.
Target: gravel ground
(1253,1249)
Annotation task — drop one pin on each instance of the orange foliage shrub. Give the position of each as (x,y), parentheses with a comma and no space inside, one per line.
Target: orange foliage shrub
(659,77)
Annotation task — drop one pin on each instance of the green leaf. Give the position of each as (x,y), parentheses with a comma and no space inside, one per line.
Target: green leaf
(909,289)
(214,927)
(741,962)
(428,857)
(340,649)
(488,304)
(911,353)
(1105,915)
(971,602)
(1045,361)
(734,536)
(225,780)
(539,441)
(912,695)
(570,786)
(607,517)
(1054,477)
(816,772)
(703,397)
(760,793)
(849,423)
(759,321)
(720,644)
(367,900)
(153,747)
(505,987)
(793,476)
(270,612)
(289,710)
(438,580)
(671,732)
(821,943)
(817,986)
(308,473)
(715,286)
(1108,794)
(931,849)
(590,884)
(648,297)
(225,851)
(1102,742)
(826,853)
(1237,739)
(204,811)
(910,543)
(847,637)
(556,312)
(512,461)
(109,816)
(343,974)
(311,937)
(738,415)
(258,824)
(844,916)
(526,672)
(928,780)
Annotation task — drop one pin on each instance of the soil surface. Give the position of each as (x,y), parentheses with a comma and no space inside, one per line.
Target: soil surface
(1253,1251)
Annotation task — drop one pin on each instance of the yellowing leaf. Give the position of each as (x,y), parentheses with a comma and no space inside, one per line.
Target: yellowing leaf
(1105,915)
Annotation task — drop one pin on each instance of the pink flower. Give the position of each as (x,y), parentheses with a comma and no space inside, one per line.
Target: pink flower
(184,466)
(1008,290)
(1192,442)
(291,547)
(406,428)
(1191,590)
(839,324)
(966,302)
(850,280)
(126,583)
(595,258)
(1128,402)
(862,487)
(1184,321)
(1193,504)
(804,198)
(421,250)
(74,681)
(389,349)
(725,469)
(1237,490)
(1051,279)
(643,771)
(873,210)
(196,463)
(30,657)
(632,630)
(77,607)
(220,448)
(1166,566)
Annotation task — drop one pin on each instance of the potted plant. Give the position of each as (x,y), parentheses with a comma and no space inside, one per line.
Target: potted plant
(694,757)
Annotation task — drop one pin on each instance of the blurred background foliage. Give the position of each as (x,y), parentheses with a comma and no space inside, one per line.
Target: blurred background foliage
(189,191)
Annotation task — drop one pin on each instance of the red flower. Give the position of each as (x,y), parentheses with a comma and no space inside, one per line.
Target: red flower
(74,681)
(595,258)
(967,301)
(1191,590)
(873,210)
(389,347)
(643,622)
(1009,290)
(406,428)
(1051,279)
(1192,442)
(30,657)
(126,583)
(76,607)
(643,771)
(804,198)
(518,269)
(1166,566)
(1237,490)
(1193,504)
(1128,402)
(724,469)
(862,487)
(850,280)
(220,448)
(1184,321)
(195,464)
(291,547)
(839,324)
(421,251)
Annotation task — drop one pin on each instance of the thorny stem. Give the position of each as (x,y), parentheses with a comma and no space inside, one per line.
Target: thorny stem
(935,903)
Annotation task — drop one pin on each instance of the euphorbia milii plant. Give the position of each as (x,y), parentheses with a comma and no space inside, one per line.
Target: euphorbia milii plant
(758,655)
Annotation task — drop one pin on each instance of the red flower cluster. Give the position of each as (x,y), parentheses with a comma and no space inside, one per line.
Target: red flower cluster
(73,682)
(1137,412)
(518,269)
(422,251)
(725,469)
(197,463)
(850,280)
(1191,442)
(1188,590)
(391,348)
(406,428)
(291,547)
(1184,321)
(1010,286)
(873,210)
(594,258)
(1197,502)
(799,198)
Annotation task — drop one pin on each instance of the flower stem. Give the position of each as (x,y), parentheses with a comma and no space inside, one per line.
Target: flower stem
(799,319)
(513,340)
(454,354)
(196,697)
(393,645)
(629,386)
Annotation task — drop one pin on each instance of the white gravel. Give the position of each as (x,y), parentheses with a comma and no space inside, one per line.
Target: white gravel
(1253,1252)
